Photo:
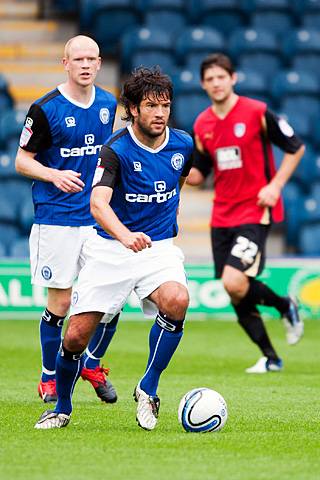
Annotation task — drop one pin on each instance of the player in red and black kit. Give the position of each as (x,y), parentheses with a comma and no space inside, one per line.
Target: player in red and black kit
(233,137)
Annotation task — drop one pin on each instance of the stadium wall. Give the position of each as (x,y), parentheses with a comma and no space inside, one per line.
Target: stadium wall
(290,276)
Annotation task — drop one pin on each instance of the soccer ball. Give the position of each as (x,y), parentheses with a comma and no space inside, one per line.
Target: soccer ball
(202,410)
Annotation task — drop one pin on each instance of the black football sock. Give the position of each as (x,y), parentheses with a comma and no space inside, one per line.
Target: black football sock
(250,320)
(260,294)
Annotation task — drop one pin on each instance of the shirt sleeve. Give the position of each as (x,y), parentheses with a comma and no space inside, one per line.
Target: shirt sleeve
(108,169)
(280,133)
(36,133)
(202,161)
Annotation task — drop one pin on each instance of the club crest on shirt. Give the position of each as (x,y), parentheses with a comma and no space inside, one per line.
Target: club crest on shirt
(177,161)
(239,129)
(104,115)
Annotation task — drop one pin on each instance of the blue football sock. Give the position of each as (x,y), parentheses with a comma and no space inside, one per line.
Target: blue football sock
(68,369)
(50,340)
(164,338)
(99,343)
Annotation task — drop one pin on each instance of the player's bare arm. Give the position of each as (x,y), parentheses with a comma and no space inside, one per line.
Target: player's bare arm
(105,216)
(66,180)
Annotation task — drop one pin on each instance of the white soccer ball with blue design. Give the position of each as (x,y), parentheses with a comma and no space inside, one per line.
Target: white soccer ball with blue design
(202,410)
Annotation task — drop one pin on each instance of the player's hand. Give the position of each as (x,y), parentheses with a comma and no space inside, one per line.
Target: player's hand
(269,195)
(67,180)
(136,241)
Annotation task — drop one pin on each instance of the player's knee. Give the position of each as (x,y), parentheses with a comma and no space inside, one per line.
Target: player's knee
(176,303)
(235,288)
(76,338)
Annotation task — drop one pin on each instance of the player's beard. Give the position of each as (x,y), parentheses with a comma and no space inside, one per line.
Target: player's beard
(148,132)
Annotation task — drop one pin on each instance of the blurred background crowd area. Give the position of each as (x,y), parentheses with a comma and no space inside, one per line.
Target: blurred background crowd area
(274,44)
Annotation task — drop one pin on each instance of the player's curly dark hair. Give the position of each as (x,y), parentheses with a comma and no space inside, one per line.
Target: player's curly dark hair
(219,60)
(142,83)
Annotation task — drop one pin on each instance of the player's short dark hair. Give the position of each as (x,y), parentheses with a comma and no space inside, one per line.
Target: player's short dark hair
(219,60)
(142,83)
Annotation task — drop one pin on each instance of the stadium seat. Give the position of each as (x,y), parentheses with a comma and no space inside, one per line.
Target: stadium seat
(301,50)
(255,49)
(309,12)
(195,43)
(110,18)
(305,104)
(144,46)
(11,123)
(8,210)
(316,132)
(3,252)
(309,239)
(253,84)
(169,15)
(187,107)
(20,248)
(26,215)
(293,200)
(190,98)
(17,191)
(294,84)
(276,22)
(8,233)
(222,15)
(307,170)
(7,166)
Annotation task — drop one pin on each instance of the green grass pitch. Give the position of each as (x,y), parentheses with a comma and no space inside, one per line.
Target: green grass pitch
(272,433)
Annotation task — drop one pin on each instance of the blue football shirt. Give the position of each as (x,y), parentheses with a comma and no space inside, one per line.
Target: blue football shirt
(145,181)
(67,135)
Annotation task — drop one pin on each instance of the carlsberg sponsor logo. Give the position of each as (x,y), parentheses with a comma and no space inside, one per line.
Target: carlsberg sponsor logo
(158,197)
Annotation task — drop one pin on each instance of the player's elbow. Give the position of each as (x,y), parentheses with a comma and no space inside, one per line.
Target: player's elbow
(195,177)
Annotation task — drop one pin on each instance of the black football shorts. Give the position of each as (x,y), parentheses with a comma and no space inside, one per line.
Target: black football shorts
(241,247)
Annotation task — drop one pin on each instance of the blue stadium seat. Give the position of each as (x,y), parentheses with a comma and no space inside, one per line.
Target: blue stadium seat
(309,239)
(169,15)
(293,200)
(147,47)
(222,15)
(190,99)
(7,165)
(294,84)
(8,210)
(110,18)
(17,191)
(195,43)
(253,84)
(309,12)
(316,132)
(307,170)
(187,107)
(277,22)
(8,233)
(20,248)
(301,50)
(3,251)
(26,215)
(255,49)
(11,123)
(305,104)
(311,205)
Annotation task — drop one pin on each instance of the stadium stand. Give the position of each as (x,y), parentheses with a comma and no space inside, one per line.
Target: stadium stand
(145,46)
(275,45)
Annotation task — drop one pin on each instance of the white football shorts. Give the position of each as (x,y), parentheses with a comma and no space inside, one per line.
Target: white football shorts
(111,272)
(56,254)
